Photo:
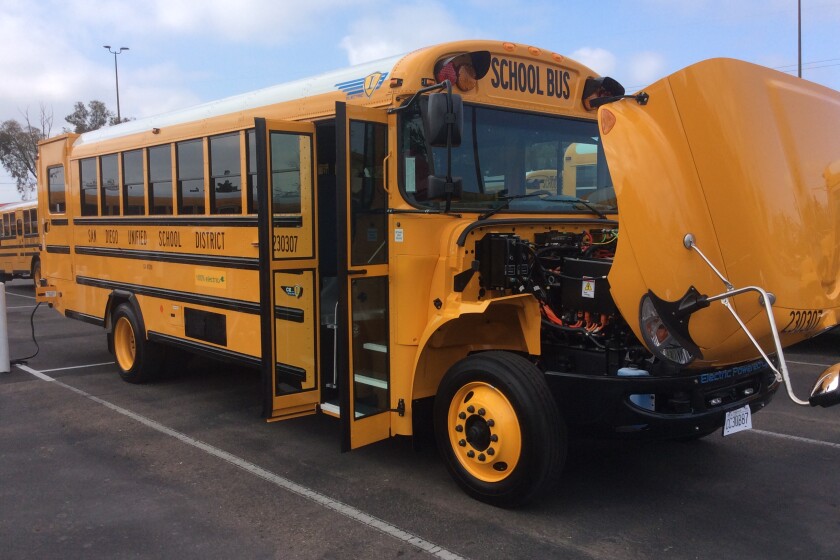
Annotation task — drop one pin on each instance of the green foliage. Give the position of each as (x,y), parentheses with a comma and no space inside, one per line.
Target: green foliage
(94,116)
(19,150)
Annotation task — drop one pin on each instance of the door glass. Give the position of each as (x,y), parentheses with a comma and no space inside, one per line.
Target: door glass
(368,201)
(370,345)
(285,172)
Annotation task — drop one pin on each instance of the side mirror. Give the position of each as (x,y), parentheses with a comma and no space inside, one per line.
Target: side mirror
(444,111)
(826,391)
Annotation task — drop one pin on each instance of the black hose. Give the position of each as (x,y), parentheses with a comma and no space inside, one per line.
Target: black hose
(37,348)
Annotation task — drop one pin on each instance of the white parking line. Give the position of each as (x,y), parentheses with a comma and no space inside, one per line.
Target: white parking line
(808,363)
(303,491)
(20,307)
(75,367)
(797,438)
(19,295)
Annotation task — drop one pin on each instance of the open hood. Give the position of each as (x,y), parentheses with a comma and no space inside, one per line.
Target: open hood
(747,160)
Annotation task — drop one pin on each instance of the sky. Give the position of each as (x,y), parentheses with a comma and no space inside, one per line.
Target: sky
(185,52)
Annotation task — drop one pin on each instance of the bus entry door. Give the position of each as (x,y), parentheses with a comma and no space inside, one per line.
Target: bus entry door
(363,354)
(288,267)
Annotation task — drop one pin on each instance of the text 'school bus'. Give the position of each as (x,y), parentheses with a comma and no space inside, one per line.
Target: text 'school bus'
(378,241)
(19,241)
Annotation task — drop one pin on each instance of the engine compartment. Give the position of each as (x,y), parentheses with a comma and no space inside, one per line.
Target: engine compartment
(582,329)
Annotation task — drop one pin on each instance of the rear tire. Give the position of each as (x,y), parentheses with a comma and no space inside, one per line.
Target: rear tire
(498,429)
(138,360)
(35,272)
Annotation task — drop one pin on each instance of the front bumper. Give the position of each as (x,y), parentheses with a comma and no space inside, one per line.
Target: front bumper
(659,407)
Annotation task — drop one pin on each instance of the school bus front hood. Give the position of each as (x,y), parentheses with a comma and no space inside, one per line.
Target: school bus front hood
(747,160)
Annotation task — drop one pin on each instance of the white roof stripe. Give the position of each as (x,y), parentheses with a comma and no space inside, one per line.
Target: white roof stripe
(298,89)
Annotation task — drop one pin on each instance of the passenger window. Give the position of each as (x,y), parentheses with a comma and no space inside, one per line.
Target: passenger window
(55,189)
(251,146)
(134,203)
(88,190)
(191,177)
(160,180)
(110,185)
(225,175)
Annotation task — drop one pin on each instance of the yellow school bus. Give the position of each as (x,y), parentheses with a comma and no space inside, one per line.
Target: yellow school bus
(368,240)
(19,255)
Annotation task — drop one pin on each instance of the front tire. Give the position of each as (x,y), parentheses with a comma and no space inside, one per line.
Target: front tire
(138,360)
(498,429)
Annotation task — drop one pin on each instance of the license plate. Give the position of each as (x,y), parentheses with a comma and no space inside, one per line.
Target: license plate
(737,420)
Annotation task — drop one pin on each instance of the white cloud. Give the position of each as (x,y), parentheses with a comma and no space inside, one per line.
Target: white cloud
(645,67)
(245,21)
(600,60)
(408,27)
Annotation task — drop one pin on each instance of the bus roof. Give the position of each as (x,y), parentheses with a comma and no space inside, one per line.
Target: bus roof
(365,83)
(9,206)
(306,87)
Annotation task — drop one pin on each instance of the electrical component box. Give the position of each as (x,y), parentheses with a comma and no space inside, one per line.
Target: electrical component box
(503,261)
(584,286)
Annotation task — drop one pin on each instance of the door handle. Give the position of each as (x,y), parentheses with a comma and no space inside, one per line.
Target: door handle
(356,272)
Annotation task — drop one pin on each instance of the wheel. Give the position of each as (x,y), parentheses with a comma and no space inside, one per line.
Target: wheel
(498,429)
(138,359)
(35,272)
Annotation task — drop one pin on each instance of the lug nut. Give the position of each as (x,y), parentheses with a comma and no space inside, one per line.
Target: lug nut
(462,415)
(481,457)
(471,409)
(481,412)
(494,437)
(462,443)
(470,453)
(459,428)
(491,451)
(491,423)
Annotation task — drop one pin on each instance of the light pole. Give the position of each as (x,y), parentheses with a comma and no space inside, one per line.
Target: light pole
(116,76)
(799,34)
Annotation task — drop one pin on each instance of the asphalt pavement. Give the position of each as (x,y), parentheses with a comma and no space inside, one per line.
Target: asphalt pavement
(92,467)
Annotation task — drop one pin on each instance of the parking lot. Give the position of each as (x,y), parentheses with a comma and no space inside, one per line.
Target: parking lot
(94,467)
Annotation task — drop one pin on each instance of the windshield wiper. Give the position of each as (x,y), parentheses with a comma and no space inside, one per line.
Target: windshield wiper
(558,198)
(590,206)
(506,202)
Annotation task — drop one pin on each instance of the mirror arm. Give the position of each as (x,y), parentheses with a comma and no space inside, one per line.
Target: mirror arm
(450,122)
(413,99)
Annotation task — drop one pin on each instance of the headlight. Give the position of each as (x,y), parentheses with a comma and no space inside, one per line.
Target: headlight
(660,339)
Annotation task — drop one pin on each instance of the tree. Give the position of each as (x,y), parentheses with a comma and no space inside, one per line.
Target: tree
(94,116)
(19,149)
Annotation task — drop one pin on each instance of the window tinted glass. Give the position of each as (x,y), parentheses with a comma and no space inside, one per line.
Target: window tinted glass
(545,161)
(133,193)
(88,190)
(368,200)
(55,187)
(285,172)
(226,174)
(160,180)
(190,177)
(251,145)
(110,192)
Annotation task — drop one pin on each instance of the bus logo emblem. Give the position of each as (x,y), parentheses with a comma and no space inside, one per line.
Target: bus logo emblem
(293,291)
(363,86)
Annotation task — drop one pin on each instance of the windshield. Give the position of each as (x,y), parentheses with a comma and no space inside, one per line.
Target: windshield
(548,161)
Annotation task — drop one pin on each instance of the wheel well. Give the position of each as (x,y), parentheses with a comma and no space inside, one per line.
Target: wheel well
(115,299)
(501,327)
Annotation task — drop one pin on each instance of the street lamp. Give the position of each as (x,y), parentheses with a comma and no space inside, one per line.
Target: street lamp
(116,76)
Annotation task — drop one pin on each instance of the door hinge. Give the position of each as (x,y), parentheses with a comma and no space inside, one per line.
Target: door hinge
(400,407)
